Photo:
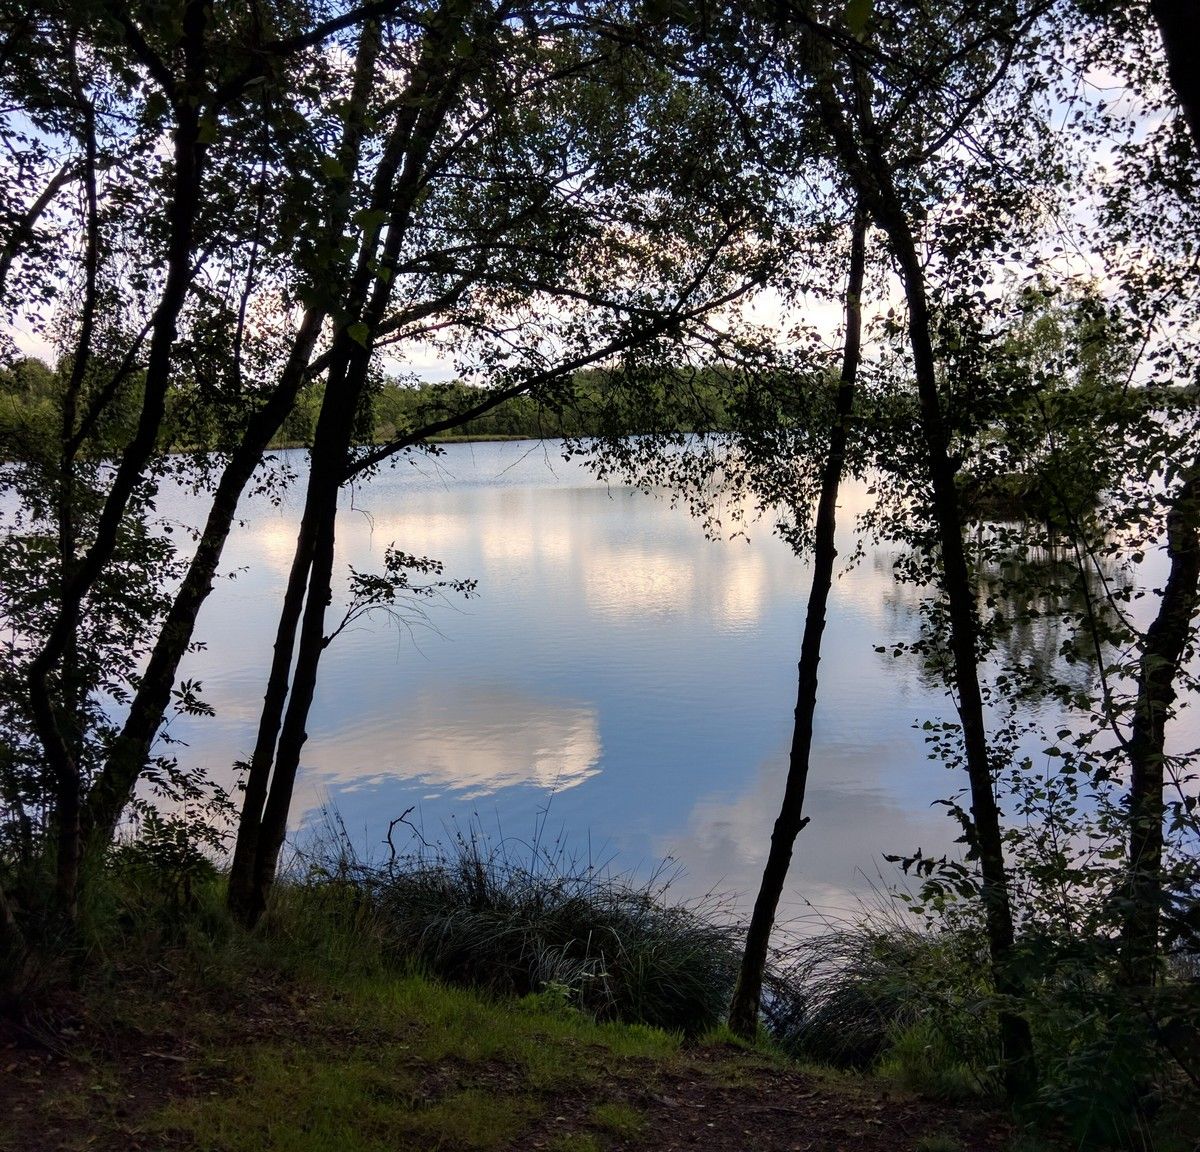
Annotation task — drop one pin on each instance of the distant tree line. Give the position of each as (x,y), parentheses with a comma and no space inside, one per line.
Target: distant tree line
(593,404)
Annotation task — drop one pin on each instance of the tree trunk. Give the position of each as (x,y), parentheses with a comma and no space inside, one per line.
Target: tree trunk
(188,152)
(1179,25)
(68,783)
(242,868)
(114,787)
(293,735)
(247,895)
(271,780)
(869,170)
(12,956)
(744,1008)
(1166,641)
(1020,1074)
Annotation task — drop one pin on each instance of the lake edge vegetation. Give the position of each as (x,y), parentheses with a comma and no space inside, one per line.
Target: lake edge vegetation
(185,1029)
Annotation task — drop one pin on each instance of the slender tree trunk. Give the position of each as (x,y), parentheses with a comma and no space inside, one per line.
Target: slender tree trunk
(10,934)
(280,737)
(743,1011)
(68,782)
(1020,1073)
(12,954)
(188,153)
(870,171)
(334,425)
(1166,641)
(1179,26)
(293,735)
(114,787)
(242,869)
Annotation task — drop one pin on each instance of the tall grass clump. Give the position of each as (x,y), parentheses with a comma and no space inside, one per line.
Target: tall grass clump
(915,1004)
(515,922)
(878,993)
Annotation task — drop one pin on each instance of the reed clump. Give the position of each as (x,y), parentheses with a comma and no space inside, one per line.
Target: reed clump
(518,920)
(876,992)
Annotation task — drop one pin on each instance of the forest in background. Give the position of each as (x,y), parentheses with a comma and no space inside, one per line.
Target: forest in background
(30,389)
(226,222)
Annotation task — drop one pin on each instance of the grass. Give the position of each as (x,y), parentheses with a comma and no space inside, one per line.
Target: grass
(938,1142)
(446,1023)
(364,1102)
(921,1058)
(358,1060)
(319,1031)
(576,1142)
(472,1002)
(882,994)
(541,924)
(619,1119)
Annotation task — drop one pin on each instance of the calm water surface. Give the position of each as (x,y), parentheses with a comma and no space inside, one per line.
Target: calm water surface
(618,680)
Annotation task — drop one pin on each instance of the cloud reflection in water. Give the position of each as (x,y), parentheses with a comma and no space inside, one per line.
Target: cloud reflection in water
(613,657)
(475,741)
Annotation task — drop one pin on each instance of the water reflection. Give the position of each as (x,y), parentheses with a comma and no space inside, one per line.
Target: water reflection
(614,660)
(724,842)
(475,740)
(616,667)
(639,582)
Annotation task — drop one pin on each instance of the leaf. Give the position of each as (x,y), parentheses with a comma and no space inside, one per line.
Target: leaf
(360,333)
(155,107)
(368,219)
(331,168)
(858,12)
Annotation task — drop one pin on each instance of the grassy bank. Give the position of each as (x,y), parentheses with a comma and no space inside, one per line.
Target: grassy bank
(308,1035)
(468,1000)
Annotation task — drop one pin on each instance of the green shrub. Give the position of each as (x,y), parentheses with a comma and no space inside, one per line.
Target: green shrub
(922,1059)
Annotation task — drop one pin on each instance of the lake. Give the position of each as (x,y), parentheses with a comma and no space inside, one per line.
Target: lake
(619,683)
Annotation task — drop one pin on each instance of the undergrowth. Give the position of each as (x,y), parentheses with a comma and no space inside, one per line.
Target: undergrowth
(538,923)
(559,947)
(1117,1068)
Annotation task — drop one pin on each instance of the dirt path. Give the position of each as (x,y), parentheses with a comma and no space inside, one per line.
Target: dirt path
(725,1101)
(75,1084)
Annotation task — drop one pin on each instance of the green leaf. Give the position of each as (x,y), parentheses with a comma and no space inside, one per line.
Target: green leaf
(369,219)
(359,333)
(331,168)
(858,12)
(156,107)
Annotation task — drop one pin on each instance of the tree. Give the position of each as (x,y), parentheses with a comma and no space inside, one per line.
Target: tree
(893,129)
(567,254)
(319,271)
(1172,633)
(1145,486)
(744,1009)
(202,79)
